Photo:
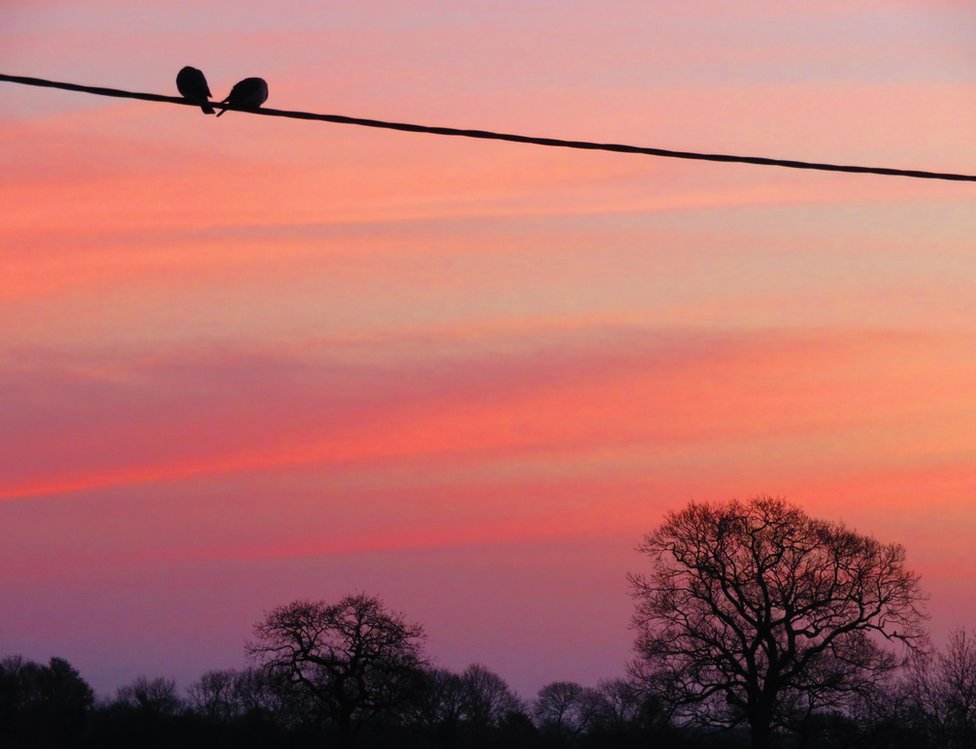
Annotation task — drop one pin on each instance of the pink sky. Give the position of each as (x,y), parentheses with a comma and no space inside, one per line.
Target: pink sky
(251,360)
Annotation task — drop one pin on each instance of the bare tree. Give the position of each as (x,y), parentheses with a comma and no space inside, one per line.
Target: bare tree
(487,700)
(613,704)
(350,661)
(439,704)
(560,708)
(212,695)
(157,696)
(231,695)
(754,612)
(940,692)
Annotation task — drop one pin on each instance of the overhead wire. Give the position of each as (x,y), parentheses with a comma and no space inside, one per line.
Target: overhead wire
(510,137)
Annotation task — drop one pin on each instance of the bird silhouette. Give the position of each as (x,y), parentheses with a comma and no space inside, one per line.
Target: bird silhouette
(192,84)
(251,92)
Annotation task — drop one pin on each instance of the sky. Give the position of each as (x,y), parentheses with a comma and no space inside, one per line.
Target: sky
(250,360)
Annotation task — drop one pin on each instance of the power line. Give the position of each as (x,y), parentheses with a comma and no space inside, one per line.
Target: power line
(489,135)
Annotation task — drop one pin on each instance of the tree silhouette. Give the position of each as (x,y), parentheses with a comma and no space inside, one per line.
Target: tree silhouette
(229,695)
(156,695)
(486,698)
(560,709)
(350,661)
(42,705)
(940,693)
(438,708)
(754,612)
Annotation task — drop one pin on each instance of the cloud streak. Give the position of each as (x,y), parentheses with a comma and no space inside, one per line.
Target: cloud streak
(88,421)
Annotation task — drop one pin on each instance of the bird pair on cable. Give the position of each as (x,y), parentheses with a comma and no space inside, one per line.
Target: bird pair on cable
(192,84)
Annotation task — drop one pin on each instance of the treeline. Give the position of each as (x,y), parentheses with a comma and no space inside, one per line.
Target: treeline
(52,706)
(932,703)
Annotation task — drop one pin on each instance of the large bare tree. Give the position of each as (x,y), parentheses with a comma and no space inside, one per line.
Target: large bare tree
(756,613)
(350,661)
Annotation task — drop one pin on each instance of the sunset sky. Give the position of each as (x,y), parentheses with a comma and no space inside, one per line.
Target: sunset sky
(249,360)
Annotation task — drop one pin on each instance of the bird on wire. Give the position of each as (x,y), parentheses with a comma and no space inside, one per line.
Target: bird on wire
(251,92)
(192,84)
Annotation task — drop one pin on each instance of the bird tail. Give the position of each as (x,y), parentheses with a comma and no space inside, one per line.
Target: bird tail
(207,109)
(222,110)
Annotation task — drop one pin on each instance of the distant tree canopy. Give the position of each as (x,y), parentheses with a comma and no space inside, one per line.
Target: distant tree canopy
(475,708)
(229,695)
(938,698)
(156,696)
(561,708)
(41,705)
(487,701)
(350,662)
(754,612)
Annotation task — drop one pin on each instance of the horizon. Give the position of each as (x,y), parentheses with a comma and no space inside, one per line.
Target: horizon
(250,360)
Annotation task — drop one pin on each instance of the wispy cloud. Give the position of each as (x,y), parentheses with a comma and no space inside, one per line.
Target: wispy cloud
(83,421)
